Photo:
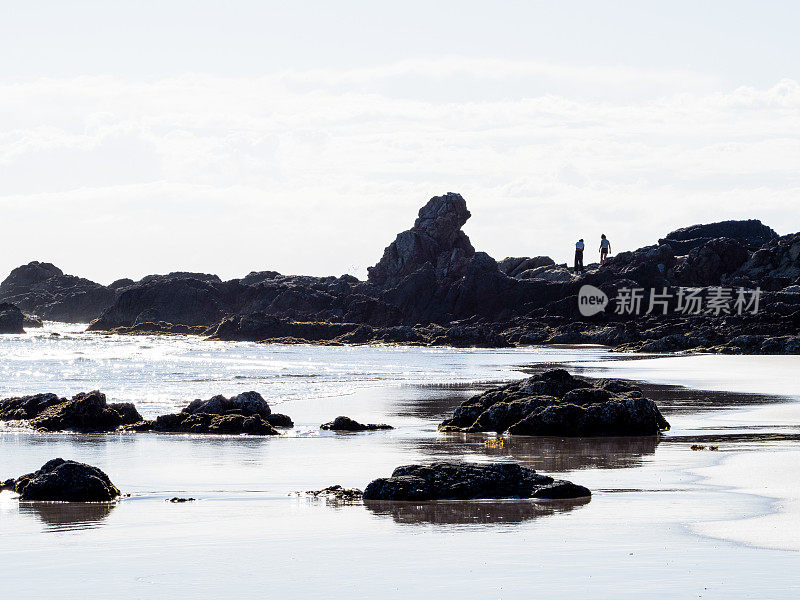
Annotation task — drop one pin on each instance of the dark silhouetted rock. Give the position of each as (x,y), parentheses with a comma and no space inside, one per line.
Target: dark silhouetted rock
(85,412)
(11,319)
(556,404)
(348,424)
(469,481)
(751,233)
(435,239)
(62,480)
(43,289)
(706,265)
(513,267)
(180,300)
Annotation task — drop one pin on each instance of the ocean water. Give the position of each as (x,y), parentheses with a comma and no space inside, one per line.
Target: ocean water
(662,520)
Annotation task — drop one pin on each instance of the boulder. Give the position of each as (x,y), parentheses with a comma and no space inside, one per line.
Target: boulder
(348,424)
(85,412)
(751,233)
(469,481)
(555,403)
(27,407)
(62,480)
(11,319)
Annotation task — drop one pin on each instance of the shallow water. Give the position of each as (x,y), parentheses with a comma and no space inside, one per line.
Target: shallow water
(647,529)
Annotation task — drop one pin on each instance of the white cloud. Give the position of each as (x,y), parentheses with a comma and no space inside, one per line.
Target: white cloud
(316,171)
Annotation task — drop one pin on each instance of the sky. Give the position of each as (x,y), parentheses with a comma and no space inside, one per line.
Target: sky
(149,137)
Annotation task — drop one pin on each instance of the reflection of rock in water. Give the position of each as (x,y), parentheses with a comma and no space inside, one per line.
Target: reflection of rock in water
(68,516)
(550,454)
(466,512)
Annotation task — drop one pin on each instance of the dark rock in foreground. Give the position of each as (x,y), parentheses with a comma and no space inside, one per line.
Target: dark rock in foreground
(246,413)
(62,480)
(11,319)
(348,424)
(556,404)
(469,481)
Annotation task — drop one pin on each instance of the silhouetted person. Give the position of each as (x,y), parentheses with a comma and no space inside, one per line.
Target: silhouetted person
(605,247)
(579,256)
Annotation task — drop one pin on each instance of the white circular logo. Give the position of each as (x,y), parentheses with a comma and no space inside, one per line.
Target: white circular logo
(591,300)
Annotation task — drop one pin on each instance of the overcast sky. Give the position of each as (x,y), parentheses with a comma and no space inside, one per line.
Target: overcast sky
(225,137)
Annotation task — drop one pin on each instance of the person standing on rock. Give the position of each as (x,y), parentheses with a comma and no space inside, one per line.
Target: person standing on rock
(605,248)
(579,256)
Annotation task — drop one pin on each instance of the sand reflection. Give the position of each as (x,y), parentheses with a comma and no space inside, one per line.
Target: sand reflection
(471,512)
(68,516)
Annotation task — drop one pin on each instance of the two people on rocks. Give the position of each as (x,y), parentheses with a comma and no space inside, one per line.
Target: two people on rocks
(605,248)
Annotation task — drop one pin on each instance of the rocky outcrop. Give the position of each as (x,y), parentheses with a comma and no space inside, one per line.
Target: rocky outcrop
(468,481)
(516,267)
(179,300)
(708,263)
(62,480)
(245,413)
(556,404)
(27,407)
(435,239)
(348,424)
(751,233)
(774,267)
(11,319)
(85,412)
(432,288)
(44,289)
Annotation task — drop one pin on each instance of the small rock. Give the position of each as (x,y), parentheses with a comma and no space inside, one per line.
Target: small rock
(348,424)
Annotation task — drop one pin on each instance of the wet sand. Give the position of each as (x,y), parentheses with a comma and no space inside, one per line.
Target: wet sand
(664,520)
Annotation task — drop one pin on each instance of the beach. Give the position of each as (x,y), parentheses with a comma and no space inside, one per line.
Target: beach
(665,519)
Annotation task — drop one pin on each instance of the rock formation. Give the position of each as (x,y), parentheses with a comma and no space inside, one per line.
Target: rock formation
(752,234)
(246,413)
(44,289)
(62,480)
(469,481)
(432,288)
(11,318)
(556,404)
(435,241)
(85,412)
